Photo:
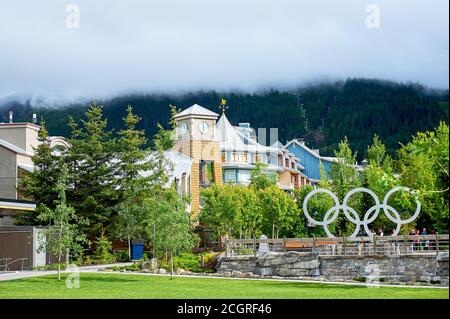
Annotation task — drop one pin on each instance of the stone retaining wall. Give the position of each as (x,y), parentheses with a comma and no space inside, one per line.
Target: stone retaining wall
(404,268)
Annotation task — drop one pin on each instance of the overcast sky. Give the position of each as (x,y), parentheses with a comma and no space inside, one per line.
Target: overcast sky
(178,45)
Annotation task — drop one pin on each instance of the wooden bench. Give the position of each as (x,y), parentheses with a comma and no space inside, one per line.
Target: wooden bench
(302,244)
(296,244)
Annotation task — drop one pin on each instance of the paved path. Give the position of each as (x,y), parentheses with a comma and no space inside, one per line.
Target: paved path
(11,275)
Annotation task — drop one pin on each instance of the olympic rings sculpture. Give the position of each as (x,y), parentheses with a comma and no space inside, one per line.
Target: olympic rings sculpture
(371,214)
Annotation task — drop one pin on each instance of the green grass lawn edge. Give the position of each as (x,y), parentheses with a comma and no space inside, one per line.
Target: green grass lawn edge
(134,286)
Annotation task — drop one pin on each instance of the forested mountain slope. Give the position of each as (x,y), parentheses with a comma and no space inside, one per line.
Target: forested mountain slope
(323,113)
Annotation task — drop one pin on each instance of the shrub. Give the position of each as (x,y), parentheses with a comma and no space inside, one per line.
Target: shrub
(187,261)
(50,267)
(360,279)
(133,267)
(102,253)
(121,255)
(191,262)
(210,259)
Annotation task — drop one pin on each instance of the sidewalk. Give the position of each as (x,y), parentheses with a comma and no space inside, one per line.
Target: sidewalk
(11,275)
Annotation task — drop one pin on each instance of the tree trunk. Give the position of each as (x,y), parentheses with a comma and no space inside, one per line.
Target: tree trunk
(273,230)
(129,249)
(154,237)
(59,266)
(171,265)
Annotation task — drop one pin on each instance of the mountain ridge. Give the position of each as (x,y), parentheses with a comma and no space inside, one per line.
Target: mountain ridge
(321,113)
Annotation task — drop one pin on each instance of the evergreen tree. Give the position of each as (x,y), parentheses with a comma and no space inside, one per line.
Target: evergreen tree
(165,139)
(40,184)
(136,176)
(103,247)
(91,163)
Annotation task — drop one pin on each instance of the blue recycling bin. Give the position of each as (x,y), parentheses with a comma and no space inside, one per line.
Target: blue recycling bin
(136,250)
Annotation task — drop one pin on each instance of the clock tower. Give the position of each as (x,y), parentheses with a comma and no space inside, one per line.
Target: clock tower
(196,138)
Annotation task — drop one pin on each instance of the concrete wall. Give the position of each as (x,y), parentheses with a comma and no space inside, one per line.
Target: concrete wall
(23,135)
(8,174)
(404,268)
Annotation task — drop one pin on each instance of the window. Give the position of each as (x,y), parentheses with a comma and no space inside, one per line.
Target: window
(224,156)
(235,157)
(244,176)
(245,157)
(258,158)
(205,172)
(230,176)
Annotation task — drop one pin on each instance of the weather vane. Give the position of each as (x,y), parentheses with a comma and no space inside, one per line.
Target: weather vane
(223,105)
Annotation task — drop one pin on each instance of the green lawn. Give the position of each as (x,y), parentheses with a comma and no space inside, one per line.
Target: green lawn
(94,285)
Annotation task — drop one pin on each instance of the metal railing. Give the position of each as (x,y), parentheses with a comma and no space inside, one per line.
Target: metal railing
(343,246)
(7,263)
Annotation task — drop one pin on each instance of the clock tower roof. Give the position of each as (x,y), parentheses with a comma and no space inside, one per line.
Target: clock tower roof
(196,111)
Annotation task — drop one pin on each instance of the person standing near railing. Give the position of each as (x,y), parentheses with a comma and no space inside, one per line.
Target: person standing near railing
(395,245)
(415,242)
(427,242)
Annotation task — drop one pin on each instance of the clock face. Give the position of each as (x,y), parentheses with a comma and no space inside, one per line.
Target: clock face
(183,128)
(203,127)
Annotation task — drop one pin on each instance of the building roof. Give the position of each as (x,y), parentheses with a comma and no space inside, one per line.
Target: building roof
(176,165)
(28,168)
(295,142)
(233,140)
(14,148)
(180,164)
(16,204)
(197,110)
(227,135)
(20,124)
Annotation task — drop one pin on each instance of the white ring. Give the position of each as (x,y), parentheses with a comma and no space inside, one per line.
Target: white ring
(370,215)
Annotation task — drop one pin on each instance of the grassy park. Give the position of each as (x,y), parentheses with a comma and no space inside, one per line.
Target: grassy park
(105,286)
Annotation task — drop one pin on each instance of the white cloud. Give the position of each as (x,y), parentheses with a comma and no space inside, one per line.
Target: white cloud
(175,45)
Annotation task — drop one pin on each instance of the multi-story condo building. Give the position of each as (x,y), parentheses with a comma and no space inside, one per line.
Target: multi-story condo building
(17,144)
(311,159)
(223,153)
